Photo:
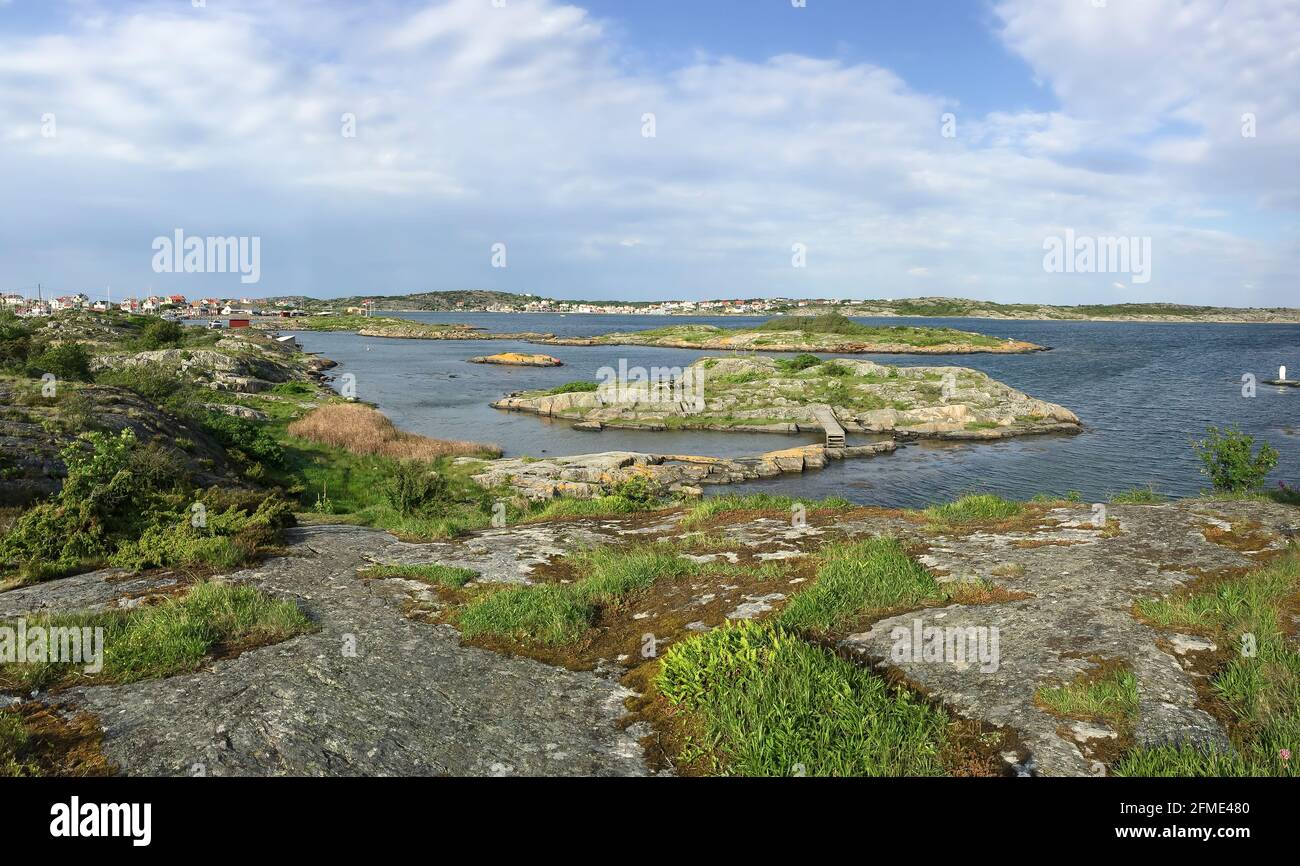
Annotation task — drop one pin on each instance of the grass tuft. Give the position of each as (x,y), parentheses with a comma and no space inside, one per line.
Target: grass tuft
(1138,496)
(975,508)
(166,639)
(1109,695)
(441,575)
(15,747)
(762,702)
(556,614)
(1258,684)
(858,580)
(713,506)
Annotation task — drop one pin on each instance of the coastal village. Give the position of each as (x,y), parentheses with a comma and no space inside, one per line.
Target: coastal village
(168,306)
(180,307)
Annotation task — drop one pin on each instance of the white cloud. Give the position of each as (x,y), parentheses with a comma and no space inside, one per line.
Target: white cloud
(476,124)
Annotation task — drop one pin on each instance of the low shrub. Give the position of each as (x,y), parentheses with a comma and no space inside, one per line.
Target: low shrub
(414,487)
(248,440)
(798,363)
(68,361)
(1230,461)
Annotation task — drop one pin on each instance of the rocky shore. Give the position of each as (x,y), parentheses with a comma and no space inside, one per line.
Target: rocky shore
(586,476)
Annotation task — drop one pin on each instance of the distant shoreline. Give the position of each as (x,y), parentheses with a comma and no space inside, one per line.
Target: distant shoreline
(1165,320)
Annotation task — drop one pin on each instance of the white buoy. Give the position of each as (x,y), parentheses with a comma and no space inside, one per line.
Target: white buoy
(1281,373)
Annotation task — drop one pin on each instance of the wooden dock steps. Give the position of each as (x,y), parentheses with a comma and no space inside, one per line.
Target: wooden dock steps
(834,432)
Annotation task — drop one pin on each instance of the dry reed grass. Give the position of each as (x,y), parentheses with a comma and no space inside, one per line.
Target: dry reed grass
(360,429)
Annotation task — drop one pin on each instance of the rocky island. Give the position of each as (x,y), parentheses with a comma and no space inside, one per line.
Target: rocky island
(829,333)
(518,359)
(761,394)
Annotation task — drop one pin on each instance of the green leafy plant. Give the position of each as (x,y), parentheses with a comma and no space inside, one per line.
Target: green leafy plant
(249,440)
(414,486)
(1230,461)
(798,363)
(68,361)
(159,334)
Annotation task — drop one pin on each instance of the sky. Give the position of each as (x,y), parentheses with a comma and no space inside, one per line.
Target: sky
(653,149)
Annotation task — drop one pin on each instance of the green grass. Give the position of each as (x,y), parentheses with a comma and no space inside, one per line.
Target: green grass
(1111,697)
(975,508)
(1185,761)
(1259,684)
(1137,496)
(762,702)
(15,745)
(337,483)
(166,639)
(713,506)
(836,324)
(556,614)
(574,388)
(441,575)
(858,580)
(600,506)
(812,331)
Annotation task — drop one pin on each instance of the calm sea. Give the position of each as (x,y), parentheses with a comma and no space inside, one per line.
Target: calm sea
(1143,391)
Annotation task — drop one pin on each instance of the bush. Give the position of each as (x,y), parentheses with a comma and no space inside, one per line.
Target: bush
(247,438)
(798,363)
(159,334)
(149,381)
(414,486)
(100,467)
(100,497)
(113,509)
(15,340)
(69,361)
(1230,461)
(639,490)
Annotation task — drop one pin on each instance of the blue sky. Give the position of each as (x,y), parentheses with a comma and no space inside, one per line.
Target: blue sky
(937,46)
(792,151)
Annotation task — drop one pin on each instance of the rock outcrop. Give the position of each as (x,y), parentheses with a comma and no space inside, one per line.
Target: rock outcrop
(372,693)
(242,361)
(35,429)
(585,476)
